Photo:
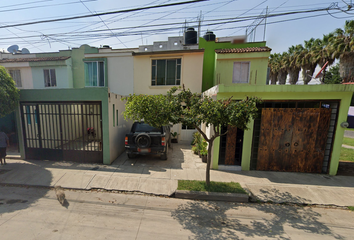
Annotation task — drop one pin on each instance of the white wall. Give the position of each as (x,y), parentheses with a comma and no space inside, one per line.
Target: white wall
(191,72)
(120,74)
(117,132)
(26,73)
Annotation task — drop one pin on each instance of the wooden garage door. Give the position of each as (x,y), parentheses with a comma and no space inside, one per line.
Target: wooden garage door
(293,139)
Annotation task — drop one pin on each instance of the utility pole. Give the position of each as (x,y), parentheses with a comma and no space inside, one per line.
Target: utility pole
(265,24)
(199,24)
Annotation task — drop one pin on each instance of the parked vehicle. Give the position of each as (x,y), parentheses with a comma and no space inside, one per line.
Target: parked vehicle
(144,139)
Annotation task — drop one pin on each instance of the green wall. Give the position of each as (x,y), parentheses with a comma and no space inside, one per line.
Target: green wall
(77,64)
(224,66)
(209,57)
(340,92)
(82,94)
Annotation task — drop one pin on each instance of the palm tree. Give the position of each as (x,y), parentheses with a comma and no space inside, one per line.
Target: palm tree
(343,48)
(307,60)
(273,64)
(292,62)
(322,52)
(282,68)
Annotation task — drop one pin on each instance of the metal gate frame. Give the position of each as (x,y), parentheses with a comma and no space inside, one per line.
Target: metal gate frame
(63,131)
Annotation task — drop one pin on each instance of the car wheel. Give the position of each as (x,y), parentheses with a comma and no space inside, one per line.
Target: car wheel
(164,155)
(130,155)
(143,140)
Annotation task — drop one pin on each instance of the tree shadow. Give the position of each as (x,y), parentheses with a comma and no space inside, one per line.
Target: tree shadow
(276,196)
(16,174)
(222,220)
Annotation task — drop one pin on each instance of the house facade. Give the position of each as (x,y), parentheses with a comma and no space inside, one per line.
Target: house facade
(298,128)
(66,110)
(154,69)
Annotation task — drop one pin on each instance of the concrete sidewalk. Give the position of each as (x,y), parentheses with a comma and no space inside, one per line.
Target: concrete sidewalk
(149,174)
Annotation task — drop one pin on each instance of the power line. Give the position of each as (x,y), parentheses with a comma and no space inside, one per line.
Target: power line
(101,14)
(41,6)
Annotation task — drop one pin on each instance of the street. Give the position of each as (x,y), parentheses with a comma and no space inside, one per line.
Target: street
(35,213)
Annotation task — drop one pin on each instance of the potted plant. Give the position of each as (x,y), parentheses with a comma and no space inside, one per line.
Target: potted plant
(204,155)
(195,149)
(174,138)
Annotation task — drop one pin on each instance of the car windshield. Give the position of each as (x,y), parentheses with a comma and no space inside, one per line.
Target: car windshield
(143,127)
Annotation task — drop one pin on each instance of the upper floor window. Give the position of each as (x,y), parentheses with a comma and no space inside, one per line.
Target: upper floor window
(50,79)
(16,76)
(94,74)
(166,72)
(241,72)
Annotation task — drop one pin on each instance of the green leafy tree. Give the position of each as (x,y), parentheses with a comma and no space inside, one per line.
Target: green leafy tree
(343,48)
(9,94)
(192,109)
(333,76)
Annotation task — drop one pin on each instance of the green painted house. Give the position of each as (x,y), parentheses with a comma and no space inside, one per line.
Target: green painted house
(298,128)
(67,111)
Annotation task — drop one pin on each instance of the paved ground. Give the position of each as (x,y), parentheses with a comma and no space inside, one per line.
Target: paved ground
(34,213)
(349,134)
(152,175)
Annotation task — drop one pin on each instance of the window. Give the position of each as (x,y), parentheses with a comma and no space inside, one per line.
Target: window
(241,72)
(94,74)
(117,118)
(114,121)
(166,72)
(50,79)
(16,76)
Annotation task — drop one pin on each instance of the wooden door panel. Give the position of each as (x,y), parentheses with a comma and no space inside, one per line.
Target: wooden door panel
(265,138)
(304,139)
(230,145)
(293,139)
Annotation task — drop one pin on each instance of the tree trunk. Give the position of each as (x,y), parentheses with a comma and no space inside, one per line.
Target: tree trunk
(293,76)
(207,177)
(282,77)
(346,67)
(273,78)
(307,73)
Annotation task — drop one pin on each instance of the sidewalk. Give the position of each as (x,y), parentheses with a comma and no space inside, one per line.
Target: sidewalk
(148,174)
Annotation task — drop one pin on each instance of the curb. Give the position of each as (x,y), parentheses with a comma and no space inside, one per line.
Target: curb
(212,196)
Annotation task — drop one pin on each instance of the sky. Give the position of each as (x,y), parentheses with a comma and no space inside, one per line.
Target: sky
(285,25)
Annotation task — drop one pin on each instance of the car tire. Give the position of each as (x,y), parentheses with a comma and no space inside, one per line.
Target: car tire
(164,155)
(143,140)
(130,155)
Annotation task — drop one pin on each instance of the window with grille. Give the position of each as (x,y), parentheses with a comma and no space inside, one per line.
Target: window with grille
(241,72)
(16,76)
(166,72)
(50,79)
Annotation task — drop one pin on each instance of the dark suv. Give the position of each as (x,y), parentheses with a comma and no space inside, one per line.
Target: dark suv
(144,139)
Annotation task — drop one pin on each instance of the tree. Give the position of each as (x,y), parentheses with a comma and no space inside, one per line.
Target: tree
(282,69)
(307,60)
(192,109)
(343,48)
(273,64)
(291,60)
(333,76)
(9,94)
(323,52)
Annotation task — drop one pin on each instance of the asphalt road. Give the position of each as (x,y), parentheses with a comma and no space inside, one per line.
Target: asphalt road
(349,134)
(34,213)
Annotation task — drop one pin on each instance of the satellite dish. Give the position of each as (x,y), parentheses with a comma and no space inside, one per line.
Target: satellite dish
(12,49)
(25,50)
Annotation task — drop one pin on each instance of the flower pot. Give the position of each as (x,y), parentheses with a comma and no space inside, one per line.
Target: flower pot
(174,140)
(204,158)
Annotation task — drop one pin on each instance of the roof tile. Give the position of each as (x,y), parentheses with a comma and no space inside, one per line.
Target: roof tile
(13,60)
(244,50)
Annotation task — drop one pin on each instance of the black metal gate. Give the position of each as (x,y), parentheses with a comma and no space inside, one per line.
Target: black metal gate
(63,131)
